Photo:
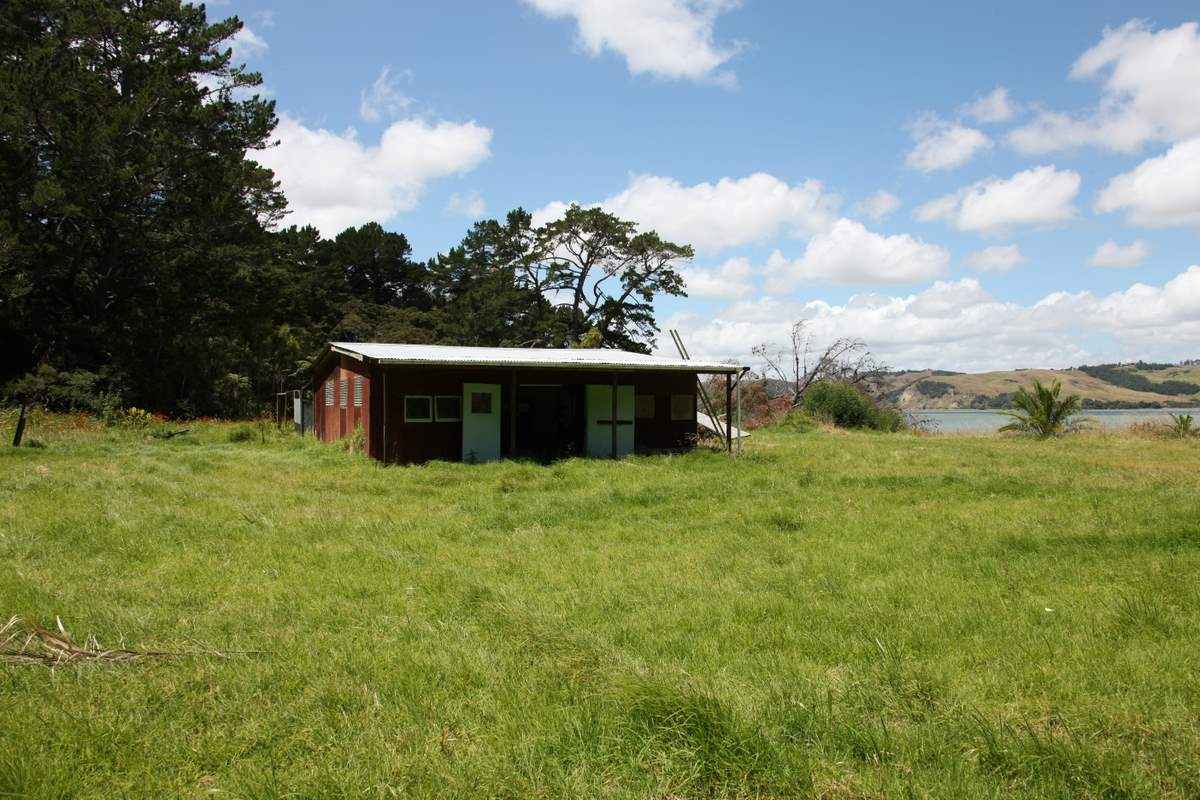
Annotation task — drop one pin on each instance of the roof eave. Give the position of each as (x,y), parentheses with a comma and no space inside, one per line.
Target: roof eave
(707,369)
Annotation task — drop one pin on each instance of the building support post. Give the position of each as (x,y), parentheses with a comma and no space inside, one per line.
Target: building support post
(739,412)
(613,420)
(512,417)
(728,414)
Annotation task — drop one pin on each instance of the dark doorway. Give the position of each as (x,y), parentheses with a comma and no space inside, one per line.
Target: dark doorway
(550,421)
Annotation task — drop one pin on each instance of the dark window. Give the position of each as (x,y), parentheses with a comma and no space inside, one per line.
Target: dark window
(358,383)
(683,406)
(418,408)
(448,408)
(481,402)
(344,393)
(644,406)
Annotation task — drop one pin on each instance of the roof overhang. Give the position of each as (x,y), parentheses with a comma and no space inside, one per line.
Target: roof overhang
(522,358)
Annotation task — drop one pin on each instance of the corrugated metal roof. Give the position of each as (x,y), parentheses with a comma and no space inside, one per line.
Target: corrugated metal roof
(443,355)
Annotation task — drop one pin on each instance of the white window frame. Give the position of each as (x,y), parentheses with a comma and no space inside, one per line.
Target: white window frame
(426,397)
(358,391)
(330,399)
(438,417)
(344,393)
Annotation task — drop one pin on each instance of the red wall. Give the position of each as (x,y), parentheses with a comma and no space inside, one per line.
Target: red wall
(332,422)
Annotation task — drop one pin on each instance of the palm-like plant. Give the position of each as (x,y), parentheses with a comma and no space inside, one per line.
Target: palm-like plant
(1040,412)
(1182,425)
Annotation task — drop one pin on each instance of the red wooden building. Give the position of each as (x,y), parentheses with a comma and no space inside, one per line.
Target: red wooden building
(421,402)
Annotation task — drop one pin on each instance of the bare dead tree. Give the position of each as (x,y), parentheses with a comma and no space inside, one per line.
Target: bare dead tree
(799,364)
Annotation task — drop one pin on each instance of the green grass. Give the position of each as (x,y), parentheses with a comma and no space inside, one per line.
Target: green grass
(833,615)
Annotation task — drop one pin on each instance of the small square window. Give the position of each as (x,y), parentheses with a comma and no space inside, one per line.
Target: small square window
(644,406)
(344,395)
(358,391)
(448,408)
(683,407)
(481,402)
(418,408)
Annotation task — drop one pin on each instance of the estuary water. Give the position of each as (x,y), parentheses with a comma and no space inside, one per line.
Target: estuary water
(989,421)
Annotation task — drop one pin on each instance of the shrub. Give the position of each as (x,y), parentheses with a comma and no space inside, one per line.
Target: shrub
(242,433)
(357,441)
(847,407)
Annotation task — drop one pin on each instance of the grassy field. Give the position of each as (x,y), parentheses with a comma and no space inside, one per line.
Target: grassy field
(833,615)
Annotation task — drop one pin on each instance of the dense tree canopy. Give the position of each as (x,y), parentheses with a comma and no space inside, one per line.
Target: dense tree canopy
(140,256)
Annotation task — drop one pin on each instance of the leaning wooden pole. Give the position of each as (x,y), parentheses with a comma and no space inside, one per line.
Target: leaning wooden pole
(704,399)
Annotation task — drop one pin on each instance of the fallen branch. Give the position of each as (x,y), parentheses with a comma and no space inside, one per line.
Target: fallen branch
(23,641)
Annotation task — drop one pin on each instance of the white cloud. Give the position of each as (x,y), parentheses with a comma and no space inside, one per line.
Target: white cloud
(384,98)
(332,180)
(671,39)
(470,204)
(942,144)
(247,45)
(1039,196)
(993,107)
(731,280)
(714,216)
(849,253)
(958,325)
(999,258)
(1111,254)
(947,299)
(879,205)
(1151,93)
(1160,192)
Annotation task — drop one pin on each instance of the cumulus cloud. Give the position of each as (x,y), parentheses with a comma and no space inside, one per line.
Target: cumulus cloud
(958,325)
(469,204)
(996,106)
(384,98)
(999,258)
(1150,93)
(1111,254)
(879,205)
(247,45)
(1160,192)
(714,216)
(849,253)
(942,144)
(333,180)
(1040,196)
(730,280)
(671,39)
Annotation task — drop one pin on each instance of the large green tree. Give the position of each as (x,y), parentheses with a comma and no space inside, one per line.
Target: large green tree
(606,275)
(132,221)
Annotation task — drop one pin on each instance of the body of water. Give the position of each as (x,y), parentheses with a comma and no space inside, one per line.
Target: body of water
(991,421)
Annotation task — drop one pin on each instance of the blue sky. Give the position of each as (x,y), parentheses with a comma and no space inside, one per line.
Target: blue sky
(963,186)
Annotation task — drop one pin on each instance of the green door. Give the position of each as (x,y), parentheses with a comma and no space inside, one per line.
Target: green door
(481,422)
(599,420)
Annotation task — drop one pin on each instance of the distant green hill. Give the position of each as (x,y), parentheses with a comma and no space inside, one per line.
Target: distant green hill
(1136,385)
